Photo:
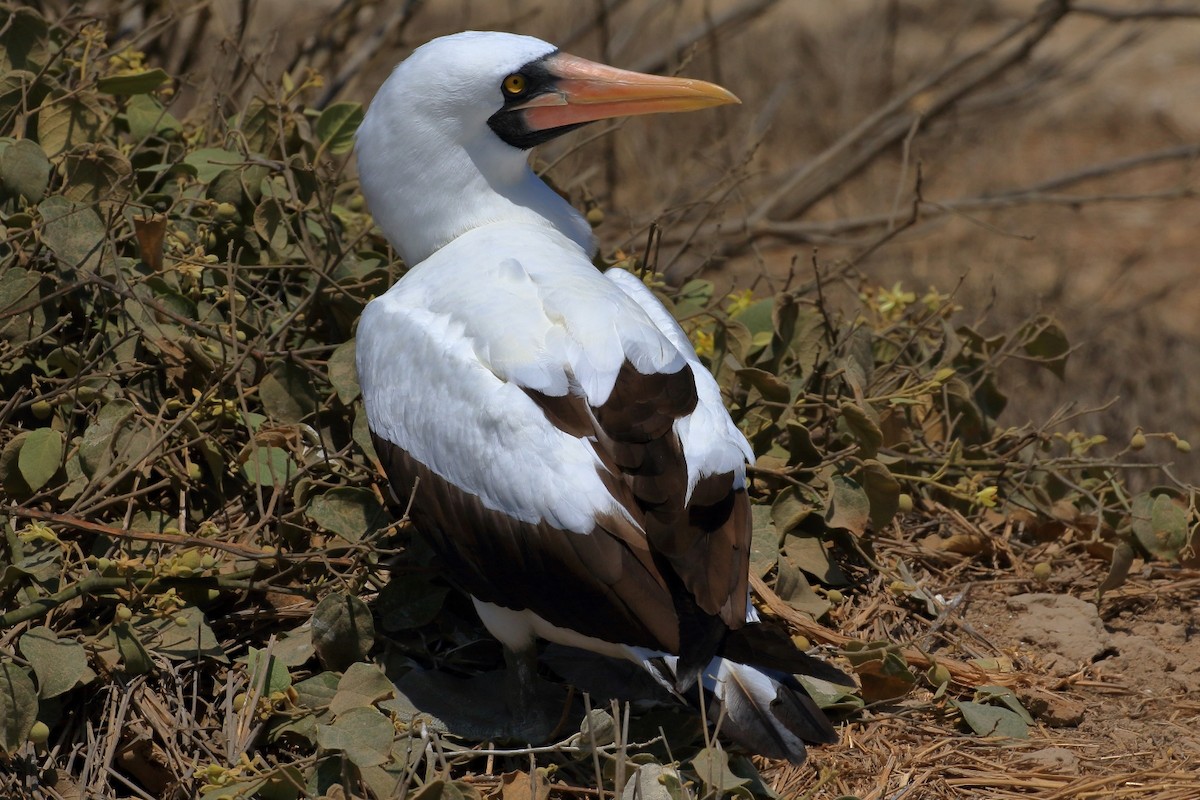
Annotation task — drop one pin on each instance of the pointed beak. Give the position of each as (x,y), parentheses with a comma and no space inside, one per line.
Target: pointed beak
(585,91)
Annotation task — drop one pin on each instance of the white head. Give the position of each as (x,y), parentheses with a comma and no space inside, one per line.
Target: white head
(444,146)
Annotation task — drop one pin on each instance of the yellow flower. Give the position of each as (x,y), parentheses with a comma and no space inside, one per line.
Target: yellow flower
(739,302)
(986,496)
(703,342)
(892,302)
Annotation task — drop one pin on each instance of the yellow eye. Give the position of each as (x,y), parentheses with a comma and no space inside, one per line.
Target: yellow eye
(514,84)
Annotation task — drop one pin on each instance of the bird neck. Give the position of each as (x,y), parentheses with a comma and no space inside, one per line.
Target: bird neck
(426,190)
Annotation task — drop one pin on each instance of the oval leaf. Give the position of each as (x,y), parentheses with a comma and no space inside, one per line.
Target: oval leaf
(349,512)
(337,124)
(18,706)
(342,630)
(59,664)
(363,734)
(847,506)
(131,83)
(41,456)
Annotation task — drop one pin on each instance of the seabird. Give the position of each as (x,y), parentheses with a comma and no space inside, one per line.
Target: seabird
(569,456)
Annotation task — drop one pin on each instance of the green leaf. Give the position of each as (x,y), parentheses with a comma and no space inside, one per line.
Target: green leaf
(794,588)
(24,40)
(259,123)
(1159,522)
(987,720)
(269,466)
(350,512)
(134,656)
(22,317)
(96,172)
(74,233)
(342,630)
(287,393)
(317,692)
(1046,342)
(269,673)
(409,602)
(41,456)
(831,696)
(295,648)
(18,706)
(183,636)
(882,490)
(284,783)
(66,121)
(24,171)
(653,781)
(863,428)
(343,373)
(1004,696)
(788,510)
(337,124)
(59,664)
(809,553)
(100,440)
(272,226)
(146,117)
(363,734)
(770,387)
(712,766)
(361,686)
(847,506)
(131,83)
(801,450)
(764,543)
(209,162)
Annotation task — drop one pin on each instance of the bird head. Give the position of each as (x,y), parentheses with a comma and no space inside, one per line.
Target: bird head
(443,147)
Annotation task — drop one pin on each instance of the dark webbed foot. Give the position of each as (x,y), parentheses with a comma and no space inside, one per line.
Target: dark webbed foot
(535,705)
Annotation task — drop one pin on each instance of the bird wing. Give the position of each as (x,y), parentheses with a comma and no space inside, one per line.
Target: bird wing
(554,426)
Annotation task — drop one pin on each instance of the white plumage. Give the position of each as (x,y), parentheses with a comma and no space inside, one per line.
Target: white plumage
(551,417)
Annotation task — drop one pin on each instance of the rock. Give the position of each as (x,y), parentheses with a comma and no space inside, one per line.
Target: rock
(1054,710)
(1053,759)
(1067,630)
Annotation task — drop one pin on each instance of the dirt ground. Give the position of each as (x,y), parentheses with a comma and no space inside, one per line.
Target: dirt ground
(1114,691)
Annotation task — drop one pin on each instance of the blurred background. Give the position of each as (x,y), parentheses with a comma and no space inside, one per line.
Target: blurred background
(1027,158)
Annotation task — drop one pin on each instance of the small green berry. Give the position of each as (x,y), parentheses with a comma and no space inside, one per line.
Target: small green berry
(42,409)
(1137,441)
(905,503)
(1183,445)
(938,674)
(834,596)
(123,614)
(39,733)
(1042,571)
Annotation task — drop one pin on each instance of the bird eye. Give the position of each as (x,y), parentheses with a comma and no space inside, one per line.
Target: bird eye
(515,84)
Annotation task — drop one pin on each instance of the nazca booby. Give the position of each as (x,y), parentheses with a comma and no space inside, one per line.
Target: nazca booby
(573,463)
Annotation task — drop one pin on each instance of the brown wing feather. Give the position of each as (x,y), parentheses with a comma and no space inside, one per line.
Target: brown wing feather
(680,587)
(604,583)
(702,546)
